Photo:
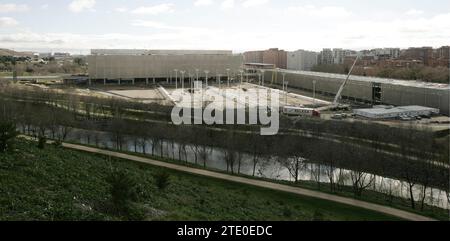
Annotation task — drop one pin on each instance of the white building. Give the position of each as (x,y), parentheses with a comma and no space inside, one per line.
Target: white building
(386,112)
(301,60)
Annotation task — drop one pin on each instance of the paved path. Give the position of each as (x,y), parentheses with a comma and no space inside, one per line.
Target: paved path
(264,184)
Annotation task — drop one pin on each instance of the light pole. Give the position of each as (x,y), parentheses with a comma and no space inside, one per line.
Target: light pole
(286,93)
(284,77)
(206,73)
(182,79)
(314,91)
(176,78)
(219,80)
(196,71)
(228,77)
(262,79)
(242,72)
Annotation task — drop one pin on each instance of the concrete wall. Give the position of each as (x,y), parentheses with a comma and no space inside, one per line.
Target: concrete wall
(392,94)
(159,66)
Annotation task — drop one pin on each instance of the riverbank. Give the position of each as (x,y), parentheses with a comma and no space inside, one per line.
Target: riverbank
(61,184)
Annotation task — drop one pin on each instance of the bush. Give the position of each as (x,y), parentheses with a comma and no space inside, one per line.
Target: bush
(162,180)
(123,190)
(317,216)
(41,142)
(7,135)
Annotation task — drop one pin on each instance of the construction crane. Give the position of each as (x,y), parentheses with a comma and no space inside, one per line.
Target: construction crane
(339,93)
(336,105)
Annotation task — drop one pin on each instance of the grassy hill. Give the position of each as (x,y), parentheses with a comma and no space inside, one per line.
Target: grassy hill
(8,52)
(59,184)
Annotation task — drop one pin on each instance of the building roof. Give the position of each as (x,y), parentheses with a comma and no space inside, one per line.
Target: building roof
(410,83)
(157,52)
(395,110)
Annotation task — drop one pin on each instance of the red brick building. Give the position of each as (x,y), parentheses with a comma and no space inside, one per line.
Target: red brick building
(424,54)
(273,56)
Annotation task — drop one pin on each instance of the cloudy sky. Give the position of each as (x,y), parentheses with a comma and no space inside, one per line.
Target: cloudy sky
(78,25)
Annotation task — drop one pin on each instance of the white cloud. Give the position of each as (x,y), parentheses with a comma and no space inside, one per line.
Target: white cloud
(199,3)
(149,24)
(12,7)
(322,12)
(44,7)
(155,9)
(8,22)
(254,3)
(77,6)
(414,12)
(121,9)
(227,4)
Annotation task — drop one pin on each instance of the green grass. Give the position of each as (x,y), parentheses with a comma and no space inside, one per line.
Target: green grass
(61,184)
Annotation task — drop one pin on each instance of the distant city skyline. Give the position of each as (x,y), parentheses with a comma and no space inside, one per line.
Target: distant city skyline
(76,26)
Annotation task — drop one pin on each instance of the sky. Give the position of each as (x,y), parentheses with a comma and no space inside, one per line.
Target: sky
(78,25)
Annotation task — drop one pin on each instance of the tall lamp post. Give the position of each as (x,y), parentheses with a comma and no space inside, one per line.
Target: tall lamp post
(219,80)
(196,71)
(242,76)
(284,78)
(206,74)
(314,91)
(182,79)
(262,78)
(228,77)
(286,100)
(176,78)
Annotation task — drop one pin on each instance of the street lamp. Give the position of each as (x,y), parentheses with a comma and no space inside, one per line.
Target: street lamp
(206,73)
(218,79)
(242,72)
(176,78)
(314,91)
(196,71)
(286,92)
(228,74)
(182,79)
(284,77)
(262,79)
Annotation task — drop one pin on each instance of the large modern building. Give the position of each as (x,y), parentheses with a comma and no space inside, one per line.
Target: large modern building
(370,90)
(301,60)
(120,65)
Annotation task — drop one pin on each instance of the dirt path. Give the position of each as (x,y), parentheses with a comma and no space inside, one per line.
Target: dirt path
(264,184)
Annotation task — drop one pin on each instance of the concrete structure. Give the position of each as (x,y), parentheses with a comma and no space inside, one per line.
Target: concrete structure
(156,65)
(301,60)
(386,112)
(273,56)
(368,89)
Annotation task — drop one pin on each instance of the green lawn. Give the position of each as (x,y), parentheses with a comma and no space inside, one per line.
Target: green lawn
(61,184)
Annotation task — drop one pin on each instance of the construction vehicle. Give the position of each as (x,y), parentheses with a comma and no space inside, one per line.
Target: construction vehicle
(336,106)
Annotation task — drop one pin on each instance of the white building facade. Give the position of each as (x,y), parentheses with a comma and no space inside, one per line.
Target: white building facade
(301,60)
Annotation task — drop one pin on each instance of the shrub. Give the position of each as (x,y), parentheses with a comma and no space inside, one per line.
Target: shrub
(7,135)
(162,180)
(41,142)
(123,190)
(317,216)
